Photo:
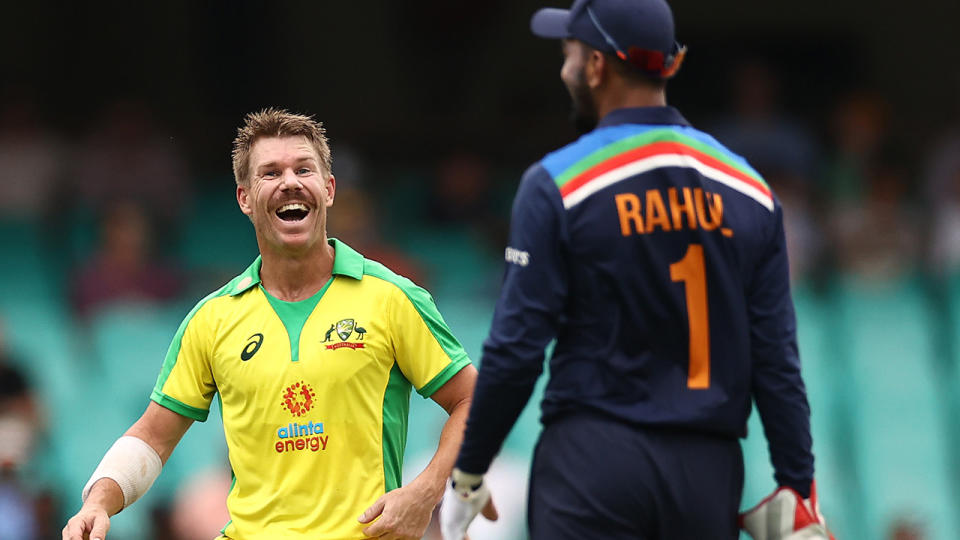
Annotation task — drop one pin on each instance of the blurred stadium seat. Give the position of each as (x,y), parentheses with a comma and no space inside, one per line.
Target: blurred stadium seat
(899,438)
(217,239)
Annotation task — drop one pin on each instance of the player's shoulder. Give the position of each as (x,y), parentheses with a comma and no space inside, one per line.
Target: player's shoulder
(600,143)
(709,144)
(227,296)
(381,274)
(612,142)
(404,298)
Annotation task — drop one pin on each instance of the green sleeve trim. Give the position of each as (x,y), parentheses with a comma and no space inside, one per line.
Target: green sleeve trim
(174,351)
(424,305)
(178,407)
(444,376)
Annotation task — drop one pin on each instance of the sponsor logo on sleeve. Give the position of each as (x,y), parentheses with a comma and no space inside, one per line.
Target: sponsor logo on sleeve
(517,257)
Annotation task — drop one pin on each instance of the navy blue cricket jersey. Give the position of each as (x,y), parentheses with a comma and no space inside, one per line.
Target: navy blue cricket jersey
(656,258)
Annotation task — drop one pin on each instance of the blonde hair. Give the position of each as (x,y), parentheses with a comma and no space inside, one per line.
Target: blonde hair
(273,122)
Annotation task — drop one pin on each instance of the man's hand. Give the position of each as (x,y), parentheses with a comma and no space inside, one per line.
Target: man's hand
(466,497)
(91,522)
(404,513)
(785,515)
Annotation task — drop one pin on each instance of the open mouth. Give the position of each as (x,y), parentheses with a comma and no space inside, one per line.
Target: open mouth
(293,212)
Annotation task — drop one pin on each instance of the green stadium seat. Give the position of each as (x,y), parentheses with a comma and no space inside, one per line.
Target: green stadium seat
(28,271)
(217,238)
(899,440)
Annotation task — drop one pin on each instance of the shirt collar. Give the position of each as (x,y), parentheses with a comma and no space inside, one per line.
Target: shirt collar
(346,262)
(644,115)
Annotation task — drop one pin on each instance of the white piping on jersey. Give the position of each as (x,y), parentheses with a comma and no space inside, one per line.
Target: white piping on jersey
(664,160)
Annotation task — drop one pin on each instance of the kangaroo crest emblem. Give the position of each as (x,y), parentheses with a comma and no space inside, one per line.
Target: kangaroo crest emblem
(345,328)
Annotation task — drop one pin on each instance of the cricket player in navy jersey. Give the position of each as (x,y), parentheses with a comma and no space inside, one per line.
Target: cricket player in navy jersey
(655,258)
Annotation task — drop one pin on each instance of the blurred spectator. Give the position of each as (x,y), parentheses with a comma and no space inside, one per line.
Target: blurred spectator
(905,529)
(942,194)
(355,220)
(804,238)
(760,131)
(31,158)
(200,506)
(859,126)
(127,156)
(461,193)
(20,506)
(878,240)
(123,267)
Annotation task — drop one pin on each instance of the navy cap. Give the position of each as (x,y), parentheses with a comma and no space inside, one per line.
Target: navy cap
(638,31)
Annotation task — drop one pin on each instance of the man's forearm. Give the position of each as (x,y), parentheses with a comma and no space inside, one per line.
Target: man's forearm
(106,494)
(434,476)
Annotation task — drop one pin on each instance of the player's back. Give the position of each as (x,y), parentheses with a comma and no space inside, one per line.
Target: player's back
(664,232)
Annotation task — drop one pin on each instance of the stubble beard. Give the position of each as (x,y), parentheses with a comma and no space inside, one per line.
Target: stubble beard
(583,115)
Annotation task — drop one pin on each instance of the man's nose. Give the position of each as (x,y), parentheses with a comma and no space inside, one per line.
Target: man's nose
(290,180)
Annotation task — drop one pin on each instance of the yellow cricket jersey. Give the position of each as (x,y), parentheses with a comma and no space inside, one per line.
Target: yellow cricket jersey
(314,394)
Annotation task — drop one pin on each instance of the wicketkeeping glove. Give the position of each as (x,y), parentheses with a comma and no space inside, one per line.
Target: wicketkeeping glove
(785,515)
(465,497)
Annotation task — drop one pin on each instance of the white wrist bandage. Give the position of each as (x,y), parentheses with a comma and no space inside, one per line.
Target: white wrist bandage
(132,464)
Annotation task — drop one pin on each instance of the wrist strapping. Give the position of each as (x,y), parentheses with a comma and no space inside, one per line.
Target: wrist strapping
(465,484)
(132,464)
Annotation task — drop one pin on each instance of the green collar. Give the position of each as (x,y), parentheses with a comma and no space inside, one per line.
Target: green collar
(346,262)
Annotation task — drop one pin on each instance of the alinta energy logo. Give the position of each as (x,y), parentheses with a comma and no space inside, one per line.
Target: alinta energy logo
(298,399)
(344,329)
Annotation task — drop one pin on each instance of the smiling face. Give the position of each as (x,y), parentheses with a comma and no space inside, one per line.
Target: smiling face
(287,195)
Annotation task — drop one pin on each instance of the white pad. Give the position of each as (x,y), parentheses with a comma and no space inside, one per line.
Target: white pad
(785,516)
(132,464)
(462,504)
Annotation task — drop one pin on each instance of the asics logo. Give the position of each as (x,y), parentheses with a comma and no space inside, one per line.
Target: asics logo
(252,347)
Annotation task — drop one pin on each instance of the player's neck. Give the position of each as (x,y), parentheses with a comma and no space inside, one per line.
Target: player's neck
(294,277)
(628,97)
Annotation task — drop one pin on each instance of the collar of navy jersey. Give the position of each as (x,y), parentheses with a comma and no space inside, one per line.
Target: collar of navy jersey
(644,115)
(346,262)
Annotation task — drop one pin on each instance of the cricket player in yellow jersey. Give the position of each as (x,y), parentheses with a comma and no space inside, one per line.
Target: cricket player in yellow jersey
(313,352)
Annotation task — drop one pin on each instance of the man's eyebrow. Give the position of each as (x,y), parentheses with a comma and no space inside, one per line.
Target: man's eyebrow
(274,163)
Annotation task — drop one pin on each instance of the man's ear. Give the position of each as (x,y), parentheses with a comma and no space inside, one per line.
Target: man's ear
(331,187)
(596,68)
(243,194)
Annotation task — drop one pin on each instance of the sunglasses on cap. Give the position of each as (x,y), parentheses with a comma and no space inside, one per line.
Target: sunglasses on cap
(650,61)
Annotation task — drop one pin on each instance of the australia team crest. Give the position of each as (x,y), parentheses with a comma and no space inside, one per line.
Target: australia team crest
(345,329)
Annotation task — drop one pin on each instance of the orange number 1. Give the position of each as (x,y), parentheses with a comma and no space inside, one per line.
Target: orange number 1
(692,272)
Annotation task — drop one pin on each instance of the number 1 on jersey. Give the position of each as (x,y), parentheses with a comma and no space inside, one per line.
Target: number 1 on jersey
(693,273)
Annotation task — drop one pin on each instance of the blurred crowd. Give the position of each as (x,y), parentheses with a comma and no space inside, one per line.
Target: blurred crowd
(116,205)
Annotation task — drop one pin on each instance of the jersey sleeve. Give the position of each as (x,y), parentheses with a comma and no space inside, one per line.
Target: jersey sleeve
(427,352)
(532,296)
(776,382)
(185,384)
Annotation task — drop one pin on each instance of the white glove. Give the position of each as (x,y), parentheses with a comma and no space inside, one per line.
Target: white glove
(465,497)
(785,515)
